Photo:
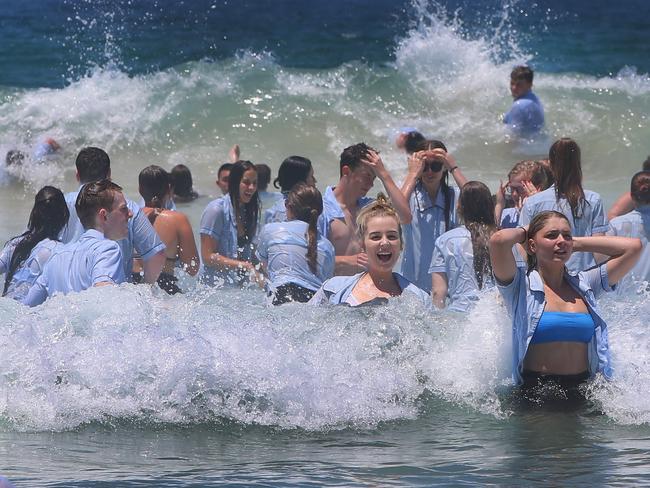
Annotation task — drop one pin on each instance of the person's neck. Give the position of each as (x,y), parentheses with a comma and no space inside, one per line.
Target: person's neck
(552,276)
(383,281)
(432,188)
(345,195)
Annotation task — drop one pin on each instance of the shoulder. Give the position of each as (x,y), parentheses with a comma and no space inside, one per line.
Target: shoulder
(338,283)
(459,232)
(592,196)
(543,196)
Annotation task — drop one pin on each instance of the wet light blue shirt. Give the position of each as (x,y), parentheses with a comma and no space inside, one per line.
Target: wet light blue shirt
(509,218)
(283,246)
(526,116)
(525,300)
(27,274)
(78,266)
(592,221)
(142,236)
(420,235)
(634,224)
(453,255)
(219,222)
(277,212)
(337,290)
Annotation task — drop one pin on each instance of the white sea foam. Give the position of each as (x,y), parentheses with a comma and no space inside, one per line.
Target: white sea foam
(112,354)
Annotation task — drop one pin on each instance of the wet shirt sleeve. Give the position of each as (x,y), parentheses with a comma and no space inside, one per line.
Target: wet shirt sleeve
(599,219)
(212,221)
(107,267)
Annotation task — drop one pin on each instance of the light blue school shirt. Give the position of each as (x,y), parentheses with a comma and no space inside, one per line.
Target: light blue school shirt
(525,300)
(526,116)
(509,218)
(420,235)
(453,255)
(634,224)
(78,266)
(277,212)
(142,236)
(26,274)
(337,290)
(283,246)
(592,221)
(332,210)
(219,222)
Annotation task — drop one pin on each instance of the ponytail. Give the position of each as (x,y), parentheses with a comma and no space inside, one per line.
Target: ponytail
(312,241)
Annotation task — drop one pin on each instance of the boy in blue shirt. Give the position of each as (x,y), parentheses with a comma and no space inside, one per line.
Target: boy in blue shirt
(95,259)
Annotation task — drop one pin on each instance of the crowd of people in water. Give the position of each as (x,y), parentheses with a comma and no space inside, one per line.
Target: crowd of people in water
(542,240)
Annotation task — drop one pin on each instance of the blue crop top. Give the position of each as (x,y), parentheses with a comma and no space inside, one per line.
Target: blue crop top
(564,327)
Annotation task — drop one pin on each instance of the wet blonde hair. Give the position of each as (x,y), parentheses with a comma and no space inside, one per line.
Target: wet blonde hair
(381,207)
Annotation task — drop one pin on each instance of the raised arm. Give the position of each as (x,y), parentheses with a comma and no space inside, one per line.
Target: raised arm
(416,166)
(451,166)
(504,266)
(400,203)
(624,252)
(623,205)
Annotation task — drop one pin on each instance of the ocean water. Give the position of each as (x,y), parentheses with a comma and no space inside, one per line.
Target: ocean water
(130,387)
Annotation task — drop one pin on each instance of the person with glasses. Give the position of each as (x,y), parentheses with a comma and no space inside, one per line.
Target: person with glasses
(525,179)
(433,208)
(95,259)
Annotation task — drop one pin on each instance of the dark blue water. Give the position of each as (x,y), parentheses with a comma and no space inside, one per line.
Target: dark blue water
(51,42)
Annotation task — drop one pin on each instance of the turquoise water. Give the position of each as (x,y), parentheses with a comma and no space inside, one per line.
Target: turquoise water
(129,387)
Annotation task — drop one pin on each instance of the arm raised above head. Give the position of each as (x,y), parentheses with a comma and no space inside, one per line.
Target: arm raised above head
(503,262)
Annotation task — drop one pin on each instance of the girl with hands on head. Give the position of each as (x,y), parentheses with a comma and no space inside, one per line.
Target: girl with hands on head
(559,336)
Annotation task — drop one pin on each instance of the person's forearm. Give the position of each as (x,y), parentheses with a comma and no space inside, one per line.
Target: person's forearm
(400,203)
(221,262)
(153,267)
(346,266)
(611,246)
(409,184)
(458,176)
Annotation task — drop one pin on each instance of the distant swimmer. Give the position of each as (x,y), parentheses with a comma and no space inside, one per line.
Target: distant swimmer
(46,149)
(526,116)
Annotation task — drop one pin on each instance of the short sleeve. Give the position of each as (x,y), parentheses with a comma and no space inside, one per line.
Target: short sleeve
(510,292)
(37,293)
(438,259)
(598,279)
(108,265)
(212,221)
(145,239)
(328,263)
(599,219)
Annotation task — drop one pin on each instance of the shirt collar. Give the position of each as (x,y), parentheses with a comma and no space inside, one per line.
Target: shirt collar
(424,200)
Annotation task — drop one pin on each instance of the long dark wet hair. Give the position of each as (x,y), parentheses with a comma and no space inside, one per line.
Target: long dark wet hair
(46,221)
(306,204)
(477,210)
(564,157)
(246,216)
(154,185)
(293,170)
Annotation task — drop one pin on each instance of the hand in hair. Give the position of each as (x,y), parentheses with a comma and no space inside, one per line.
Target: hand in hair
(373,160)
(416,163)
